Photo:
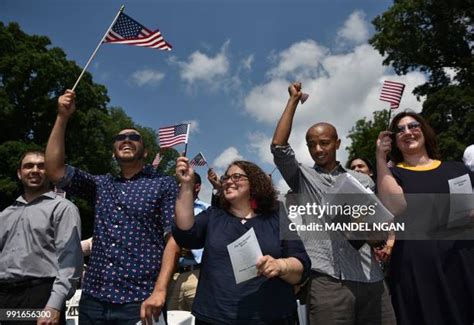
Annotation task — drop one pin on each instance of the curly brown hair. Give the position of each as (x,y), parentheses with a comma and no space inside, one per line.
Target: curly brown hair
(431,144)
(261,188)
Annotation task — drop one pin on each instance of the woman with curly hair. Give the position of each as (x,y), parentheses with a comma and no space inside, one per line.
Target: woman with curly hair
(248,200)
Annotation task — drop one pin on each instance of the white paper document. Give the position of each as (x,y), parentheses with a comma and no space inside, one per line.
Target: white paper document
(244,253)
(340,194)
(461,205)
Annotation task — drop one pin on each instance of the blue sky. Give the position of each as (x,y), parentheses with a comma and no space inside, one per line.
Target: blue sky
(230,66)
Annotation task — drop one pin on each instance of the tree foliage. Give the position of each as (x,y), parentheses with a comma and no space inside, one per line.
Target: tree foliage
(364,135)
(436,38)
(33,74)
(429,36)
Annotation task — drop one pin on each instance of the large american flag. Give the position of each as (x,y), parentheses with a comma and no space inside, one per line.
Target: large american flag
(392,92)
(198,160)
(172,135)
(126,30)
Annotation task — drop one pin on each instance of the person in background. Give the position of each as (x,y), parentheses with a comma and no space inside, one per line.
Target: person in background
(468,157)
(431,280)
(216,187)
(183,287)
(247,200)
(40,250)
(361,165)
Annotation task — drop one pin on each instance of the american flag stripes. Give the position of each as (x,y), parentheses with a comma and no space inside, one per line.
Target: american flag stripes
(156,161)
(170,136)
(126,30)
(198,160)
(392,92)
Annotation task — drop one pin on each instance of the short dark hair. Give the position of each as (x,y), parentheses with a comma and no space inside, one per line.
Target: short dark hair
(431,143)
(197,178)
(261,188)
(367,162)
(29,152)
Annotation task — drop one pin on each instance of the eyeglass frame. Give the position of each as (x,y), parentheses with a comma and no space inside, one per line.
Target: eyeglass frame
(130,136)
(235,177)
(399,130)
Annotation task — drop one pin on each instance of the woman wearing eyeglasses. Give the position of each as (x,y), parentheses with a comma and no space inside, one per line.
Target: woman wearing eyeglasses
(248,200)
(431,279)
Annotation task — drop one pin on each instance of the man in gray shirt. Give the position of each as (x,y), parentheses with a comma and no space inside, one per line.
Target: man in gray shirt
(40,247)
(347,284)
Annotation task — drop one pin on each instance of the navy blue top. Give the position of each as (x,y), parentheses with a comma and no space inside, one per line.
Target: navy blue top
(132,217)
(256,301)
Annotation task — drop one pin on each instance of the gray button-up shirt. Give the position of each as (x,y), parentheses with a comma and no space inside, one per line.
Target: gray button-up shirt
(330,253)
(42,239)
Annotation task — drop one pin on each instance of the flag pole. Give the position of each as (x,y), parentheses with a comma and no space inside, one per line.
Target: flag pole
(204,159)
(187,139)
(97,48)
(389,117)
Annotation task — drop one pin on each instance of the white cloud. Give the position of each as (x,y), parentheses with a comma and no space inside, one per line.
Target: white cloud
(247,62)
(354,30)
(226,157)
(451,73)
(201,67)
(300,60)
(282,187)
(260,144)
(205,194)
(147,76)
(348,91)
(194,128)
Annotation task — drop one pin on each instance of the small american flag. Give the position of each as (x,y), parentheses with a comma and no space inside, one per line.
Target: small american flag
(156,161)
(172,135)
(198,160)
(392,92)
(128,31)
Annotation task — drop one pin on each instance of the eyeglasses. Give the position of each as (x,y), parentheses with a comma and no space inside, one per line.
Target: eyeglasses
(130,136)
(412,126)
(236,177)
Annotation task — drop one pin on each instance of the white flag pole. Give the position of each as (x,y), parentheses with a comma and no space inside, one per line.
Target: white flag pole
(187,139)
(205,160)
(97,48)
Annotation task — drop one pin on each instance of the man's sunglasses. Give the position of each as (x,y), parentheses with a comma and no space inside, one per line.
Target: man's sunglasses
(130,136)
(401,129)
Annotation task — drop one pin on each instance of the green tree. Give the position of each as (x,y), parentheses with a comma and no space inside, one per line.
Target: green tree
(364,135)
(429,36)
(33,74)
(436,38)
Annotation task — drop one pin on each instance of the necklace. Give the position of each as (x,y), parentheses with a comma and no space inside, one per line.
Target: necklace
(246,218)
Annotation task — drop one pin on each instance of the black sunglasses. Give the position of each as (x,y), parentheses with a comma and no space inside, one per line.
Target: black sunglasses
(130,136)
(401,129)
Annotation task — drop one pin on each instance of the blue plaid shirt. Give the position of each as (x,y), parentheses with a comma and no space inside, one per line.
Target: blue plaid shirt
(132,217)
